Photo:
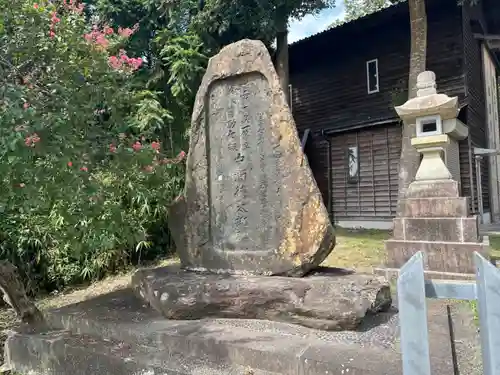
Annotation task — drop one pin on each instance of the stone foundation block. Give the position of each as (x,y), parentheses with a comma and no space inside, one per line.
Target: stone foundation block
(392,274)
(433,189)
(327,300)
(459,229)
(435,207)
(451,257)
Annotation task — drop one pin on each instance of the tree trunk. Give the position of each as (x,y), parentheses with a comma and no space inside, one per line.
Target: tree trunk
(282,58)
(410,158)
(15,296)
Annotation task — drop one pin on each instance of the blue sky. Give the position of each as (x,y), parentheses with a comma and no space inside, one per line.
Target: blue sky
(310,24)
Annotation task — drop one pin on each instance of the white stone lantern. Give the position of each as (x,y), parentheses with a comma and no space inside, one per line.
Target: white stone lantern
(437,130)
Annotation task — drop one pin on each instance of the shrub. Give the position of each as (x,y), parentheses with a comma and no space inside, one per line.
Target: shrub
(81,182)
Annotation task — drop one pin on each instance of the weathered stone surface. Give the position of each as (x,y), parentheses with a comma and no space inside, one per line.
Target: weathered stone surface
(251,203)
(442,229)
(433,189)
(115,334)
(323,301)
(435,207)
(452,257)
(63,353)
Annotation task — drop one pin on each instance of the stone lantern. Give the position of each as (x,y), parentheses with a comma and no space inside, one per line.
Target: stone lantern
(433,217)
(438,132)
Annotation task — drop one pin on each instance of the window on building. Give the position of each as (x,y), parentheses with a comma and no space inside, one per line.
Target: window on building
(372,76)
(353,163)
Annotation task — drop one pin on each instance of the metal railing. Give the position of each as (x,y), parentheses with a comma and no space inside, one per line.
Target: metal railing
(479,154)
(413,290)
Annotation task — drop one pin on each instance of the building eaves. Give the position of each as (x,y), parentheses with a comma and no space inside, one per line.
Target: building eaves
(394,8)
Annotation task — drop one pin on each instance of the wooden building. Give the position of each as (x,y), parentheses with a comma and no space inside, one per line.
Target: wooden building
(346,81)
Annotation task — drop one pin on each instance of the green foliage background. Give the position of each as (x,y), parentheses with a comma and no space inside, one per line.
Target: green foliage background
(77,200)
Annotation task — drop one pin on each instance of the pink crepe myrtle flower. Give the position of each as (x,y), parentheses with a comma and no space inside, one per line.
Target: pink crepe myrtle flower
(32,140)
(155,146)
(181,156)
(127,32)
(137,146)
(74,6)
(124,62)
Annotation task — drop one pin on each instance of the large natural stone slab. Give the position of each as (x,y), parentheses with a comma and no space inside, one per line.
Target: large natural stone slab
(251,203)
(326,301)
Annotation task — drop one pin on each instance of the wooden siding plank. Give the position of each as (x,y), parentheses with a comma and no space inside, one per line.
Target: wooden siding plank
(374,194)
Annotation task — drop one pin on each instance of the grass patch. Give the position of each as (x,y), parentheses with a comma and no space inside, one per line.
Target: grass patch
(358,249)
(495,246)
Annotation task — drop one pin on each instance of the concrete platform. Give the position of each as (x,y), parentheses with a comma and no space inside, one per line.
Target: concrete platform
(491,229)
(117,334)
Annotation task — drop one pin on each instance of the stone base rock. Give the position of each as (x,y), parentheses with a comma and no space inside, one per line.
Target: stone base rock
(329,300)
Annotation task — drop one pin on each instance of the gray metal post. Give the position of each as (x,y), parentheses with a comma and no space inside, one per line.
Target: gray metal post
(479,187)
(488,299)
(413,317)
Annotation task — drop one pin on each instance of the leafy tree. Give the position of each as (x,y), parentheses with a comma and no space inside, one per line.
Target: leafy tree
(355,9)
(175,54)
(84,177)
(222,22)
(183,34)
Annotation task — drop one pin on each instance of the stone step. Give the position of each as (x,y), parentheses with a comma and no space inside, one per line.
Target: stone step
(118,334)
(61,352)
(262,346)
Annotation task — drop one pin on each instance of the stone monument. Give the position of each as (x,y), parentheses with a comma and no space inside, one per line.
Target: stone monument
(434,218)
(252,221)
(251,203)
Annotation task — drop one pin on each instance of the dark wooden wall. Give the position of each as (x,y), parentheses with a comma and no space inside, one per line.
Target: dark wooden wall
(328,71)
(472,17)
(329,93)
(374,195)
